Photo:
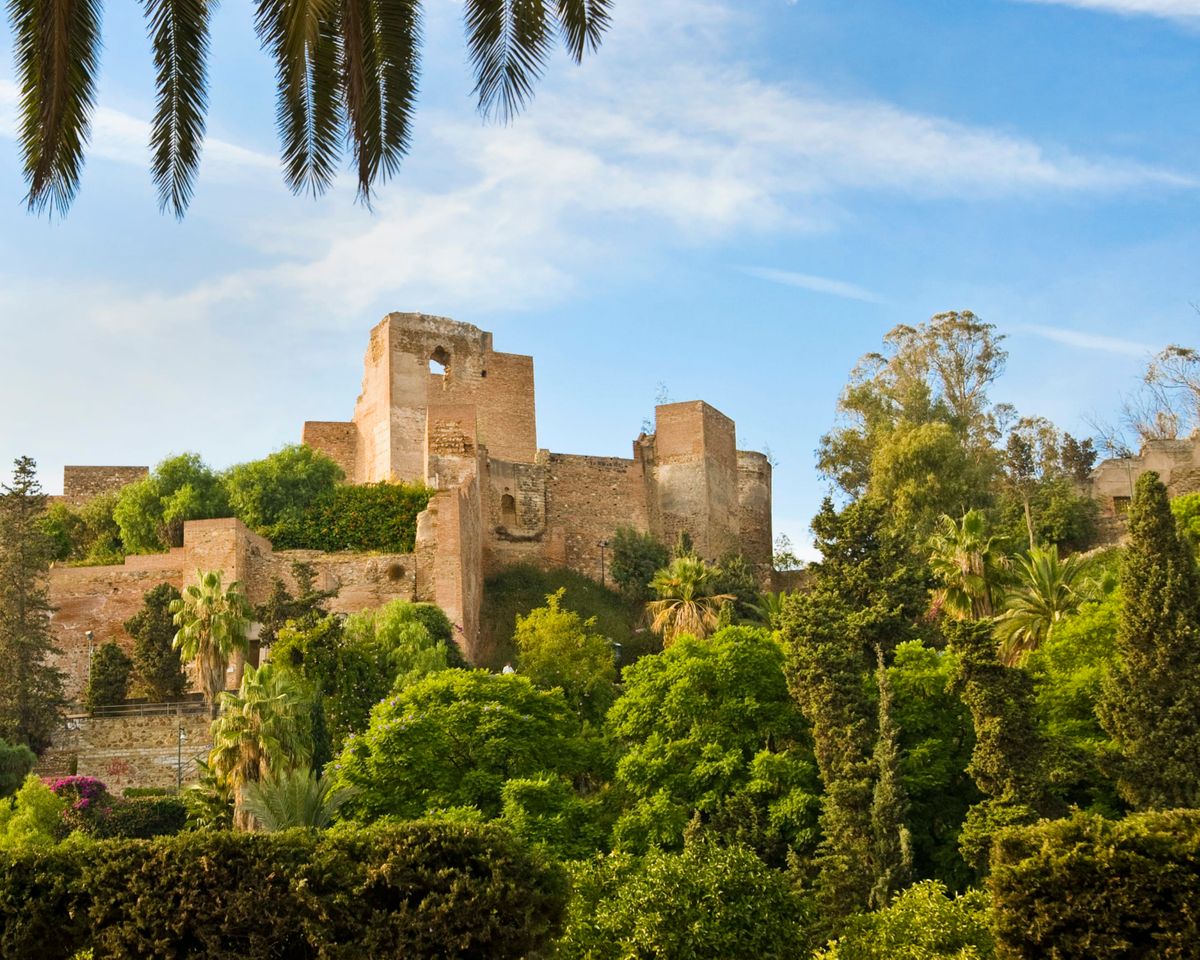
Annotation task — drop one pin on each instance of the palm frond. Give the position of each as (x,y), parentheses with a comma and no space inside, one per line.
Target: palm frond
(399,32)
(296,798)
(361,89)
(57,52)
(509,43)
(179,33)
(302,35)
(582,24)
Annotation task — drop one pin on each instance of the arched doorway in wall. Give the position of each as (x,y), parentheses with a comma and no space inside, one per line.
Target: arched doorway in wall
(508,511)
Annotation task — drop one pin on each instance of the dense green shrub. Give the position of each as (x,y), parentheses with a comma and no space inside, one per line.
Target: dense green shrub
(547,813)
(372,516)
(86,535)
(281,487)
(710,732)
(452,740)
(141,818)
(15,763)
(419,890)
(32,817)
(923,923)
(1086,887)
(706,903)
(519,589)
(559,649)
(1187,515)
(636,558)
(108,678)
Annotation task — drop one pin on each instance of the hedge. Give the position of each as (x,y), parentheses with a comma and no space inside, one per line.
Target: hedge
(373,516)
(1086,887)
(141,818)
(411,890)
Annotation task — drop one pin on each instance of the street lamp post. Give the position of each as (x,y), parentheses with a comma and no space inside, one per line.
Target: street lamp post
(179,757)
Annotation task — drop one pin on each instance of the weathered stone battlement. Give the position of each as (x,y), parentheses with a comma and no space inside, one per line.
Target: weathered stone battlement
(1177,462)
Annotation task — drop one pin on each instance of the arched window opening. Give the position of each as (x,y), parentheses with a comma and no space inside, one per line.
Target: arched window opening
(439,362)
(508,510)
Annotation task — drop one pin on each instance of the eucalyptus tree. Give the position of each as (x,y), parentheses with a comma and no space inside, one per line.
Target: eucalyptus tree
(346,72)
(213,623)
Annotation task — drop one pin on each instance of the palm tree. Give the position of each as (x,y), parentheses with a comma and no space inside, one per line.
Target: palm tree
(296,798)
(1048,590)
(346,72)
(966,561)
(213,625)
(685,604)
(262,732)
(769,608)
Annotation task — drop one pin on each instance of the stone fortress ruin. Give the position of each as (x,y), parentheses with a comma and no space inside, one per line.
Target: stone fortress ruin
(439,405)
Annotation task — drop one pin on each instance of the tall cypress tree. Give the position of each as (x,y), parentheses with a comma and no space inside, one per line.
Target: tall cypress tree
(1008,762)
(889,804)
(864,598)
(1150,701)
(31,689)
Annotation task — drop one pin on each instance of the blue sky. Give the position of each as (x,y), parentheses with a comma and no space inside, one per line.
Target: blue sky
(734,199)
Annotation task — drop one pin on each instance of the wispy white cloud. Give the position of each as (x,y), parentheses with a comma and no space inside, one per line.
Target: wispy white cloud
(1086,340)
(807,281)
(1185,10)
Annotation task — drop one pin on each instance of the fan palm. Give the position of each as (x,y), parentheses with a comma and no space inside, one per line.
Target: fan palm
(1048,590)
(686,602)
(346,73)
(262,732)
(966,560)
(296,798)
(769,607)
(213,624)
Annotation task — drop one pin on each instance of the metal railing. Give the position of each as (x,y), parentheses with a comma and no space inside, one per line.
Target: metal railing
(172,708)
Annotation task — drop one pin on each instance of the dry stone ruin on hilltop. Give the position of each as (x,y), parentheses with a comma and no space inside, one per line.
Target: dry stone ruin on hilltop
(440,405)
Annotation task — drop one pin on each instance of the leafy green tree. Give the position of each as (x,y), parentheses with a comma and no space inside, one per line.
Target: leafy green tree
(1187,515)
(31,689)
(453,739)
(261,732)
(636,558)
(1008,762)
(706,903)
(152,511)
(688,601)
(923,470)
(347,76)
(213,622)
(1047,590)
(293,798)
(401,641)
(157,670)
(88,535)
(924,923)
(711,735)
(1151,696)
(280,487)
(559,649)
(1067,671)
(547,813)
(108,678)
(15,764)
(936,740)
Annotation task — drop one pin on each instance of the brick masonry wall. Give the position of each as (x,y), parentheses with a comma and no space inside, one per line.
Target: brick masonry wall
(338,441)
(587,499)
(81,484)
(754,507)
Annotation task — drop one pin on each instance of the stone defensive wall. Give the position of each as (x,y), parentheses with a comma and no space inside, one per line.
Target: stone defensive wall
(101,599)
(136,747)
(1177,462)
